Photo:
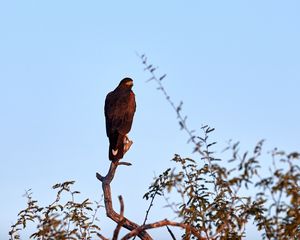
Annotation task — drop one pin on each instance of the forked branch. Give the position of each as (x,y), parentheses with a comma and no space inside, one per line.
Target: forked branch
(110,212)
(122,221)
(163,223)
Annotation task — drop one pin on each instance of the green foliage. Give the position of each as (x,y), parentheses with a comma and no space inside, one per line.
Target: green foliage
(59,220)
(215,200)
(214,194)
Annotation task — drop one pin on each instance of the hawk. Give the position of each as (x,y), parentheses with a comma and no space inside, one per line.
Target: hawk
(119,110)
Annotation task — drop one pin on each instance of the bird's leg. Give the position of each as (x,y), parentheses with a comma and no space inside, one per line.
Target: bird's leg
(127,144)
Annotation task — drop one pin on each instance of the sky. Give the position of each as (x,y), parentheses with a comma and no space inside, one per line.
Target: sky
(234,64)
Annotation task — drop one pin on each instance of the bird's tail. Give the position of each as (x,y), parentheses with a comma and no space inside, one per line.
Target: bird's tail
(116,147)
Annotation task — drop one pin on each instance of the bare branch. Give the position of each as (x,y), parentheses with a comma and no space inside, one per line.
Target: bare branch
(148,210)
(124,163)
(163,223)
(122,220)
(99,177)
(126,223)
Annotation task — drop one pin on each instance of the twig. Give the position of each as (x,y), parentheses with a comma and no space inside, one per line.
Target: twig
(171,233)
(182,119)
(124,163)
(148,210)
(102,237)
(94,217)
(150,206)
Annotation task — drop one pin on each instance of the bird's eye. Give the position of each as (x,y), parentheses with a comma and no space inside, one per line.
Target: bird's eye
(130,83)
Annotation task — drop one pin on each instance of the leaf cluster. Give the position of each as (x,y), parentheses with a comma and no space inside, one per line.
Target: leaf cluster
(61,219)
(216,199)
(219,197)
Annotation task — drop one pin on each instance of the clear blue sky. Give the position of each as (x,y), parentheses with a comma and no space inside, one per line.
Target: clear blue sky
(235,64)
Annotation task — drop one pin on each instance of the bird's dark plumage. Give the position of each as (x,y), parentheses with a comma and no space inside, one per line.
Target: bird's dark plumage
(119,110)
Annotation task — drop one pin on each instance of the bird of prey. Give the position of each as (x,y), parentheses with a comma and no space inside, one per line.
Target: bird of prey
(119,110)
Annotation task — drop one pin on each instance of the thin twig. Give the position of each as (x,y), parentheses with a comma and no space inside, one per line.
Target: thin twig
(150,206)
(182,119)
(171,233)
(148,210)
(102,237)
(124,163)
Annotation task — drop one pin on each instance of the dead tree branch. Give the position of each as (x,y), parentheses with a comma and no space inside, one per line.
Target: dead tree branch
(118,218)
(163,223)
(120,224)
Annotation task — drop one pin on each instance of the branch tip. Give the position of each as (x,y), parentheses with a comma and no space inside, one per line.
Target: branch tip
(124,163)
(99,177)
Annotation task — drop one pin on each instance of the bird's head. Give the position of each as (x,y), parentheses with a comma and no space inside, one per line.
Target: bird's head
(126,83)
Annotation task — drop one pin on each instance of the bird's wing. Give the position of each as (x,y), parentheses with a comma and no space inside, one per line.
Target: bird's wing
(119,111)
(109,109)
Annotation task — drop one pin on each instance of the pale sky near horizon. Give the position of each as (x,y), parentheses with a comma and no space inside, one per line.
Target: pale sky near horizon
(234,64)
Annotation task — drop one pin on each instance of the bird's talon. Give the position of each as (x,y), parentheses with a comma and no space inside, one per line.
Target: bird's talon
(114,152)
